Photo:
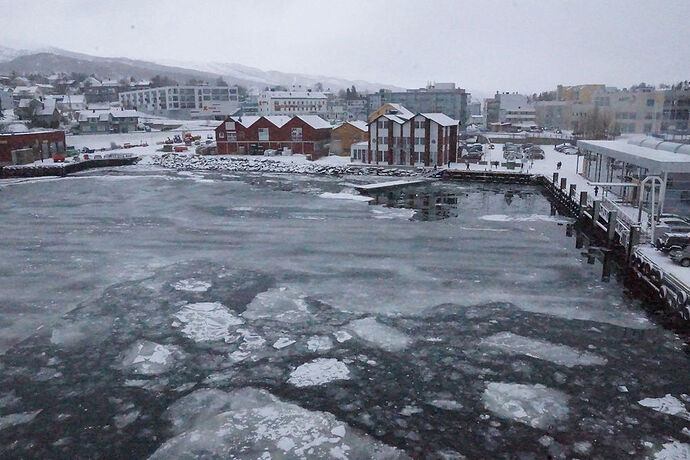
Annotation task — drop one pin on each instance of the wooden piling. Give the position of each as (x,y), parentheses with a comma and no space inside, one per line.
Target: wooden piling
(611,225)
(564,182)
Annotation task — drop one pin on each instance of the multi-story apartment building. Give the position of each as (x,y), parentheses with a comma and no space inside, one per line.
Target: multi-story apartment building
(676,111)
(439,98)
(634,111)
(578,93)
(510,109)
(293,103)
(429,139)
(183,102)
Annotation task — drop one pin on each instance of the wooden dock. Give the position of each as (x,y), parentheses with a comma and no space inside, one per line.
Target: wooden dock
(42,170)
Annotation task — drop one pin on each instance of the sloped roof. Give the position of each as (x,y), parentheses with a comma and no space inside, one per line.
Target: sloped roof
(278,120)
(295,94)
(47,108)
(402,110)
(103,115)
(362,125)
(441,118)
(315,121)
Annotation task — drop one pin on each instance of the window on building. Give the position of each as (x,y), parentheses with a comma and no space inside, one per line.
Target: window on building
(221,135)
(263,134)
(230,126)
(650,102)
(296,134)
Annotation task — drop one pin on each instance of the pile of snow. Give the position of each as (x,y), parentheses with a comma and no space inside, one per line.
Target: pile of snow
(252,423)
(541,349)
(386,337)
(319,372)
(279,304)
(533,405)
(270,165)
(150,358)
(385,212)
(206,321)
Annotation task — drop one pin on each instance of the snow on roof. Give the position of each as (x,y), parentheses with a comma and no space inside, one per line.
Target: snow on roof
(47,107)
(104,115)
(441,118)
(402,110)
(278,120)
(74,99)
(656,161)
(17,128)
(362,125)
(92,81)
(361,144)
(294,95)
(24,103)
(110,83)
(394,118)
(315,121)
(25,89)
(246,120)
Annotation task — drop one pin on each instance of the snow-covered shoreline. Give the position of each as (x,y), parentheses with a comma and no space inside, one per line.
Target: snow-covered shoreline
(262,164)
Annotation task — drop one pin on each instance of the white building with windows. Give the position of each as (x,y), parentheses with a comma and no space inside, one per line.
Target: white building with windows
(517,110)
(293,103)
(184,102)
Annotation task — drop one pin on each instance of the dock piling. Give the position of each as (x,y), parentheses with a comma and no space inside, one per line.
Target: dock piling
(596,210)
(611,225)
(571,194)
(564,182)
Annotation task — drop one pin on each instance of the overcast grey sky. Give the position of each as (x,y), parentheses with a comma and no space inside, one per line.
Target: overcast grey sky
(518,45)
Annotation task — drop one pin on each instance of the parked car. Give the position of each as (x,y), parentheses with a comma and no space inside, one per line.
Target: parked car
(472,155)
(510,146)
(561,147)
(475,148)
(681,256)
(571,150)
(673,225)
(271,153)
(534,153)
(672,241)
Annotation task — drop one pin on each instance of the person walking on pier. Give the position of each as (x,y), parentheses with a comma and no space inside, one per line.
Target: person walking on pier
(467,164)
(596,190)
(558,165)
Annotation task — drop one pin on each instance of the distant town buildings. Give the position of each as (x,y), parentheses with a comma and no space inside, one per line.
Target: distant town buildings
(183,102)
(292,103)
(438,98)
(509,110)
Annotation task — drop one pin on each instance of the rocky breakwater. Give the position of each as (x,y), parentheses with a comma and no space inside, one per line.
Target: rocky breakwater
(261,164)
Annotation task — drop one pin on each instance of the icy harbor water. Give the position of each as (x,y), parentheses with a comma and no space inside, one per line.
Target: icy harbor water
(147,313)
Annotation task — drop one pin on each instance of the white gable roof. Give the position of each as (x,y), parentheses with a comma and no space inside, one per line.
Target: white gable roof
(361,125)
(441,118)
(402,111)
(315,121)
(278,120)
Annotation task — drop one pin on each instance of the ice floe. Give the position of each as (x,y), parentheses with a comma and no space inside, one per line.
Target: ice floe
(385,212)
(533,405)
(667,405)
(345,196)
(673,450)
(206,321)
(252,423)
(150,358)
(342,336)
(282,343)
(447,404)
(10,420)
(541,349)
(319,343)
(279,304)
(319,372)
(529,218)
(192,285)
(386,337)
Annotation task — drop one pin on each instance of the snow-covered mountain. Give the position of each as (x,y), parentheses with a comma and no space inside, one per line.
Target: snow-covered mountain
(58,60)
(258,77)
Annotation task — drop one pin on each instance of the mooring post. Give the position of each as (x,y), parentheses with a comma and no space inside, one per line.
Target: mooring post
(564,182)
(596,209)
(613,218)
(583,203)
(555,180)
(571,195)
(633,240)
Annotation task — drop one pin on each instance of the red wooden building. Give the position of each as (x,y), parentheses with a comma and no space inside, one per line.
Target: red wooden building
(306,134)
(43,144)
